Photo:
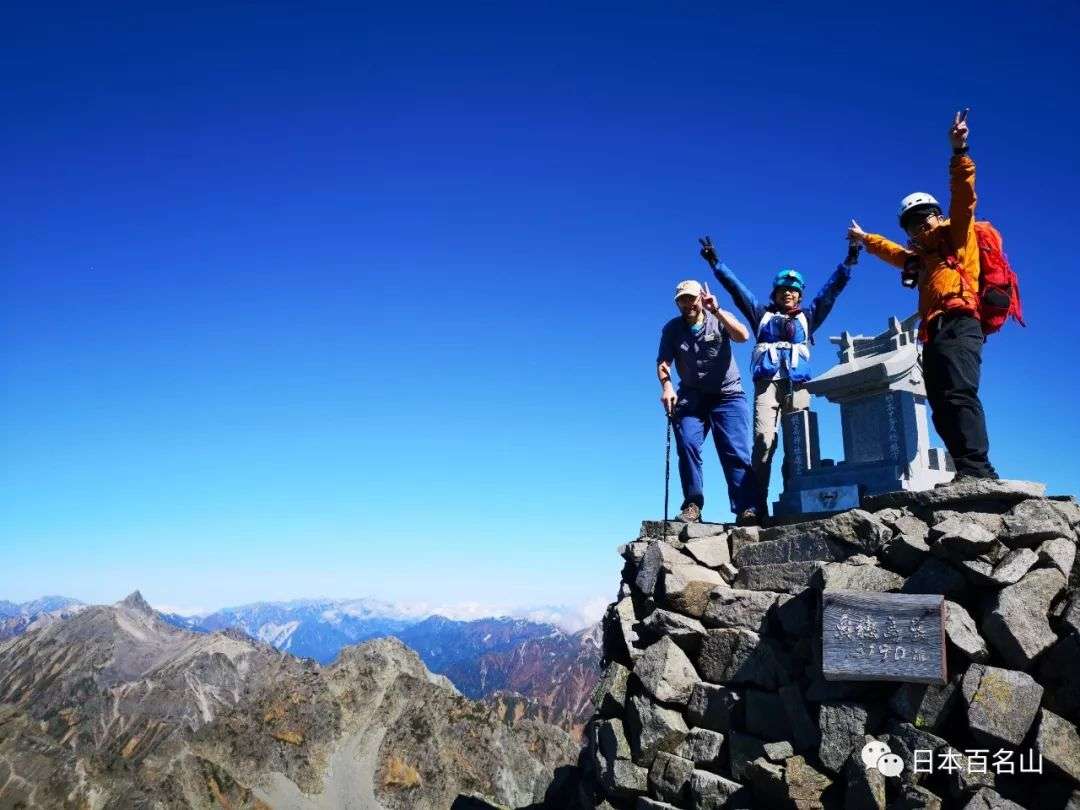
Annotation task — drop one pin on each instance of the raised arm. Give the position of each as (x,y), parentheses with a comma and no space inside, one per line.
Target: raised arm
(961,183)
(744,300)
(823,302)
(877,245)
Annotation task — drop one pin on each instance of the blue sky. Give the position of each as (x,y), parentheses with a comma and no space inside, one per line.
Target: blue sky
(309,299)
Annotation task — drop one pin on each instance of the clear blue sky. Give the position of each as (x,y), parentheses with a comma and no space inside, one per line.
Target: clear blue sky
(308,300)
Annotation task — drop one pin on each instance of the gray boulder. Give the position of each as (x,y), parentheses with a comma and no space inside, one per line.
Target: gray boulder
(618,776)
(652,529)
(970,494)
(793,784)
(792,549)
(714,707)
(611,743)
(684,631)
(904,740)
(959,538)
(1001,703)
(843,727)
(666,672)
(657,555)
(1059,743)
(856,528)
(961,632)
(1066,506)
(743,536)
(988,799)
(686,588)
(1059,553)
(914,797)
(1018,626)
(987,520)
(925,706)
(669,777)
(936,576)
(743,749)
(702,746)
(864,575)
(710,791)
(778,751)
(788,577)
(652,728)
(710,551)
(742,657)
(739,608)
(907,548)
(620,635)
(1012,567)
(1030,522)
(609,696)
(696,531)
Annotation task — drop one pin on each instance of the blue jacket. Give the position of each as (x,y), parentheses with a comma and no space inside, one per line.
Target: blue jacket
(780,329)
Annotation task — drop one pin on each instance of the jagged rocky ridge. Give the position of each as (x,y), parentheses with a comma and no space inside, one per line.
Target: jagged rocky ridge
(712,694)
(114,707)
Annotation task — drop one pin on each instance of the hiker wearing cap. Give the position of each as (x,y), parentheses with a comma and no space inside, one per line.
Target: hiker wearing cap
(780,364)
(710,398)
(942,258)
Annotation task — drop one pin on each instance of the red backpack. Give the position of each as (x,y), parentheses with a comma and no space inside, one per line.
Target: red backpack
(999,287)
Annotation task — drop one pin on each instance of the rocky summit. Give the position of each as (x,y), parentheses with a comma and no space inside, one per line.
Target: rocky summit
(713,693)
(113,707)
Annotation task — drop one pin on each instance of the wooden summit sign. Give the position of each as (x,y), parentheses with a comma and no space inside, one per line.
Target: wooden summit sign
(868,636)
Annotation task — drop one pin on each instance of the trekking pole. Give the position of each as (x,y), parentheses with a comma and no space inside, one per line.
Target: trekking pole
(667,475)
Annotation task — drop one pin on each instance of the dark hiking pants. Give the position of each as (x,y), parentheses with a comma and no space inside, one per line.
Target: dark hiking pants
(952,361)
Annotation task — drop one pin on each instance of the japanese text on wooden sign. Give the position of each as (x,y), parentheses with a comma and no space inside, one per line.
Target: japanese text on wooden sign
(883,637)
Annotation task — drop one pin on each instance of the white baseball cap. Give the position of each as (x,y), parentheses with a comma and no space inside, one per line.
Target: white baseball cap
(687,288)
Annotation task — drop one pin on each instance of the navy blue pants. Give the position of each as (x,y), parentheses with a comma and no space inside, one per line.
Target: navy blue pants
(728,417)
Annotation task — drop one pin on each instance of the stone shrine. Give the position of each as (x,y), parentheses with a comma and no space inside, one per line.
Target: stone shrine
(879,387)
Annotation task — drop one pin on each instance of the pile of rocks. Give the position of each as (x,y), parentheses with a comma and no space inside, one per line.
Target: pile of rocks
(713,695)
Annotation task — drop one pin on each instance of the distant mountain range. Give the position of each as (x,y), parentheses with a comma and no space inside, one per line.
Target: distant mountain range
(501,656)
(17,618)
(113,706)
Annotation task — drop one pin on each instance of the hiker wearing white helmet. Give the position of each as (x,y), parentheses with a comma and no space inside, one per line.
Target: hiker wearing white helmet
(784,331)
(710,398)
(942,259)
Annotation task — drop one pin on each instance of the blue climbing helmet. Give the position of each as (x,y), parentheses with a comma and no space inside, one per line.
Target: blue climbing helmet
(789,278)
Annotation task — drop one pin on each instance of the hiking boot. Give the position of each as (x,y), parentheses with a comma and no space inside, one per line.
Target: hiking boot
(748,517)
(691,513)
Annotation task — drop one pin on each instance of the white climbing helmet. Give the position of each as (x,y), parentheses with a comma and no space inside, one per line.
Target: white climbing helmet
(920,199)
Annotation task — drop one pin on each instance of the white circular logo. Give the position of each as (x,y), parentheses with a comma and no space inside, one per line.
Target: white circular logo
(890,765)
(872,752)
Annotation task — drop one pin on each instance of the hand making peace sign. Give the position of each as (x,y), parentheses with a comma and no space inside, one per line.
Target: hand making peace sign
(708,301)
(958,134)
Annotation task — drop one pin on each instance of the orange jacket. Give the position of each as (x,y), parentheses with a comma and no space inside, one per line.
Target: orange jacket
(949,277)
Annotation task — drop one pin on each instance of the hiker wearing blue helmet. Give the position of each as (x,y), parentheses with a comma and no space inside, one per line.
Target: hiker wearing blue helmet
(784,330)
